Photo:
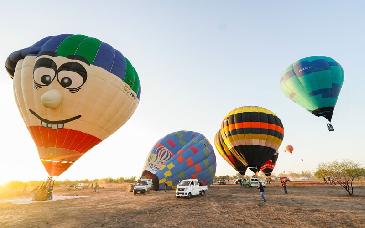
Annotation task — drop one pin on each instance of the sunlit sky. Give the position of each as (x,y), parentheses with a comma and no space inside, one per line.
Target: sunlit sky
(196,60)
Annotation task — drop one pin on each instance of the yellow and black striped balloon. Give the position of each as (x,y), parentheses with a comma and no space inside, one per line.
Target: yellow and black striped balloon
(252,134)
(239,166)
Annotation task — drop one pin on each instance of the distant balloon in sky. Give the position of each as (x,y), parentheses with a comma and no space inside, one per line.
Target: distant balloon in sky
(251,135)
(289,148)
(180,155)
(314,83)
(72,91)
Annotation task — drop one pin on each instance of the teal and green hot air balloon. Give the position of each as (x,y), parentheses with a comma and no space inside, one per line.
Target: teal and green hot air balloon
(314,83)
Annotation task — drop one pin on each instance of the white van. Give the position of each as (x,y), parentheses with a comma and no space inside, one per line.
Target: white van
(254,182)
(149,183)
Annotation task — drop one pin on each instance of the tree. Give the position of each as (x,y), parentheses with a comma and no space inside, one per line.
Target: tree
(340,173)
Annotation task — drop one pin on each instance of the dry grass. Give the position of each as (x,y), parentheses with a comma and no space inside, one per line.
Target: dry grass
(223,206)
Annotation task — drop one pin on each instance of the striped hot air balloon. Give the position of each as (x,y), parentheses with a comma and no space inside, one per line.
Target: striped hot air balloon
(314,83)
(251,134)
(269,165)
(180,155)
(72,91)
(289,148)
(239,165)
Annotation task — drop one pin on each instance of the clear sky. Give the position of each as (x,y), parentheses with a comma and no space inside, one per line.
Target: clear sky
(196,60)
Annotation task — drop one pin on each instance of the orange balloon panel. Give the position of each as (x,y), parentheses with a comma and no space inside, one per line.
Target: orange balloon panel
(59,149)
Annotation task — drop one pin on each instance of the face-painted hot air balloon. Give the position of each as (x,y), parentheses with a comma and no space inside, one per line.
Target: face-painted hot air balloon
(289,148)
(314,83)
(269,165)
(72,91)
(180,155)
(239,166)
(252,135)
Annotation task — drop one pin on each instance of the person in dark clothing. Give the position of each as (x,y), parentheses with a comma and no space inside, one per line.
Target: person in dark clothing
(262,192)
(165,186)
(283,183)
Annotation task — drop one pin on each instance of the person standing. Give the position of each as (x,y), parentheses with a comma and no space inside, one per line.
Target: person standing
(283,183)
(96,186)
(262,192)
(165,186)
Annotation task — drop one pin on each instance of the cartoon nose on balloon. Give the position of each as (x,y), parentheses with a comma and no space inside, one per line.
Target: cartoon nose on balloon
(51,99)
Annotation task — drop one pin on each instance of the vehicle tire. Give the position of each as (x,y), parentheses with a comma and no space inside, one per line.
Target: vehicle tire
(189,195)
(202,193)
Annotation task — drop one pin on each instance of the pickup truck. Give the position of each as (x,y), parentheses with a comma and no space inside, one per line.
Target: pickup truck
(190,187)
(141,187)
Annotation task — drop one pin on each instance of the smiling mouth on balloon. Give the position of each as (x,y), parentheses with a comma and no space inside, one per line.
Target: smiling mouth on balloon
(58,124)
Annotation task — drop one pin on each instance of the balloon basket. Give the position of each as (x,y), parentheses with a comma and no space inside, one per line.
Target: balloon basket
(330,127)
(44,192)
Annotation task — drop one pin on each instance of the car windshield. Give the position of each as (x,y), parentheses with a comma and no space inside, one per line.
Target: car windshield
(184,183)
(141,183)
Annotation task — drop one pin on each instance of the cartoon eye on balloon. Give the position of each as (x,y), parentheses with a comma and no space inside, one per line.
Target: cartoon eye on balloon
(72,91)
(180,155)
(249,136)
(314,83)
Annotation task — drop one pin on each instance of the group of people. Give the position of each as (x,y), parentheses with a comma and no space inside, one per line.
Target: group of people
(95,186)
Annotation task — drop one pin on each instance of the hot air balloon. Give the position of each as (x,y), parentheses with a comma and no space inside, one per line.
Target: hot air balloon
(289,148)
(314,83)
(180,155)
(269,165)
(252,135)
(239,166)
(72,91)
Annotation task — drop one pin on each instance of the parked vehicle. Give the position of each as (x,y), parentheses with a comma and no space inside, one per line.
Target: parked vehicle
(254,182)
(221,182)
(141,187)
(238,181)
(190,187)
(80,186)
(149,182)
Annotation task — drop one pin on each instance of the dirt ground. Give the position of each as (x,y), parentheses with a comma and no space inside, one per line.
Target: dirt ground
(223,206)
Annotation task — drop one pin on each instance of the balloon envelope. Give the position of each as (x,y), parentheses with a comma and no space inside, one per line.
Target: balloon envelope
(72,91)
(178,156)
(289,148)
(228,155)
(252,134)
(269,165)
(314,83)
